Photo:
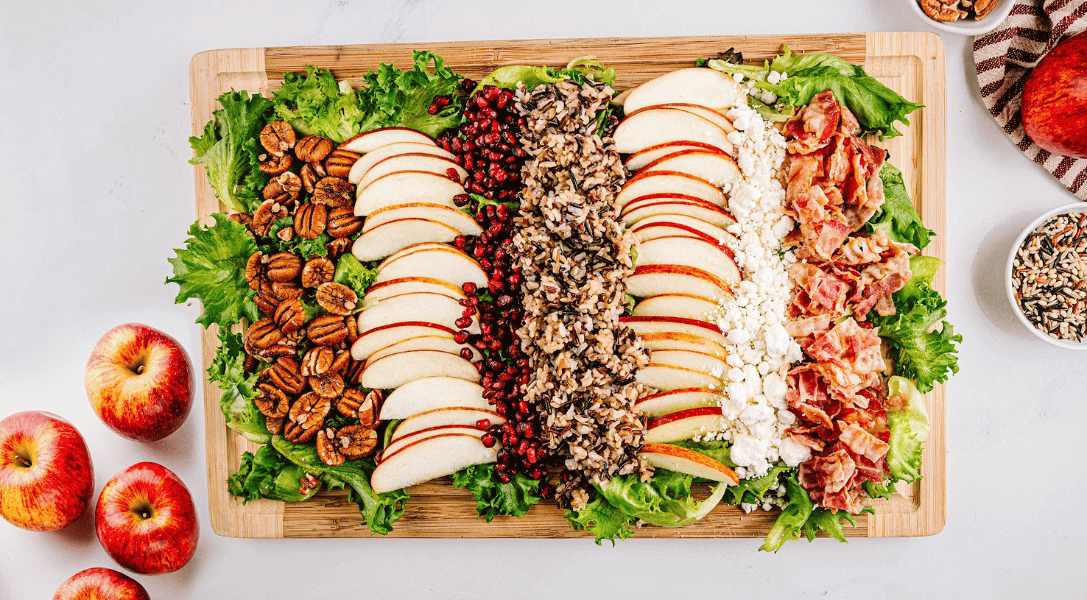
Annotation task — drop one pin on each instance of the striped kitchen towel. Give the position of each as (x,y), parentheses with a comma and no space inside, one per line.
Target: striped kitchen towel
(1005,57)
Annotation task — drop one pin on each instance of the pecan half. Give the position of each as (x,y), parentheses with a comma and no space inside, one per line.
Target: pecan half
(306,417)
(277,137)
(284,374)
(343,357)
(290,315)
(307,484)
(255,270)
(309,220)
(244,219)
(352,330)
(313,148)
(284,266)
(329,385)
(352,375)
(356,441)
(342,222)
(275,426)
(327,330)
(276,164)
(348,404)
(339,163)
(287,290)
(944,11)
(317,361)
(263,334)
(334,192)
(317,271)
(266,300)
(327,448)
(364,407)
(983,8)
(266,213)
(284,188)
(336,298)
(337,247)
(309,177)
(272,401)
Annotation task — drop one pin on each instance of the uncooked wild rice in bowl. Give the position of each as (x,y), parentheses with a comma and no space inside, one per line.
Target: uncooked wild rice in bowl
(1047,277)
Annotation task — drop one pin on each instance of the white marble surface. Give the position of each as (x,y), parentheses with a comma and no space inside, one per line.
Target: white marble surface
(95,114)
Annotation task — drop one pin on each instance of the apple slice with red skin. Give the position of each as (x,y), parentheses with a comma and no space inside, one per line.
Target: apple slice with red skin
(642,325)
(376,138)
(379,337)
(416,248)
(146,520)
(406,186)
(655,126)
(442,262)
(689,359)
(684,223)
(450,415)
(674,340)
(688,462)
(410,285)
(662,184)
(654,280)
(46,474)
(398,443)
(663,403)
(688,306)
(684,424)
(99,582)
(463,223)
(713,167)
(710,114)
(414,161)
(644,157)
(642,208)
(441,343)
(429,393)
(673,377)
(397,369)
(437,308)
(430,458)
(695,85)
(690,252)
(387,238)
(362,165)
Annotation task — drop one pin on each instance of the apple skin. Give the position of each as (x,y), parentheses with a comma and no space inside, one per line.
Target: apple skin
(140,382)
(146,520)
(54,490)
(98,583)
(1055,99)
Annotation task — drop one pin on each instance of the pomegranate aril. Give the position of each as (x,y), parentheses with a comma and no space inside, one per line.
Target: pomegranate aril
(463,322)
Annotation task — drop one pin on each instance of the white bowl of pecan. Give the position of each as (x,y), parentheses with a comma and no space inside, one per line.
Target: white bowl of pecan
(965,17)
(1046,277)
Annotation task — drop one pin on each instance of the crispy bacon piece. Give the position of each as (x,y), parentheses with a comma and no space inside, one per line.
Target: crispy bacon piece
(862,442)
(813,125)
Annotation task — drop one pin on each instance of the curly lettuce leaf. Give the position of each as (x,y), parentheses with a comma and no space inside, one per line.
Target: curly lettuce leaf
(221,147)
(897,217)
(392,97)
(267,474)
(315,104)
(665,500)
(494,497)
(380,511)
(211,268)
(919,351)
(354,274)
(801,517)
(909,430)
(580,69)
(239,388)
(601,519)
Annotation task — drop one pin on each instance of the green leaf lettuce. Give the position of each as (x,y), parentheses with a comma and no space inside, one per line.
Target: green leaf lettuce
(221,147)
(494,497)
(211,268)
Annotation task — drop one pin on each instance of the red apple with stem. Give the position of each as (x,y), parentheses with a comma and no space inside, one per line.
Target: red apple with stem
(46,475)
(146,520)
(98,583)
(140,382)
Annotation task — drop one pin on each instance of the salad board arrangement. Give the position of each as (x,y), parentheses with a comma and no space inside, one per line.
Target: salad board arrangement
(911,64)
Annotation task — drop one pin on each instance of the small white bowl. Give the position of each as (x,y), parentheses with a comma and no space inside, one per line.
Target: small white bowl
(968,26)
(1078,207)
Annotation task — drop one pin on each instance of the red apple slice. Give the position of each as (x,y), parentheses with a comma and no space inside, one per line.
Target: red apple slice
(410,285)
(429,393)
(714,167)
(696,85)
(659,184)
(643,208)
(463,223)
(399,443)
(451,415)
(654,280)
(691,252)
(372,140)
(687,461)
(672,401)
(684,424)
(672,377)
(435,308)
(707,113)
(429,458)
(395,370)
(363,164)
(380,337)
(689,359)
(674,340)
(406,186)
(387,238)
(442,262)
(684,223)
(416,248)
(644,157)
(420,161)
(427,342)
(642,325)
(656,126)
(688,306)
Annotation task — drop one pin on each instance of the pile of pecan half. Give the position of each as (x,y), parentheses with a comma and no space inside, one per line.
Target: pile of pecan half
(948,11)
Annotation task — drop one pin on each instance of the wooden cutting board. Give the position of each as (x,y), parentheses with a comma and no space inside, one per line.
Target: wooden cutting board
(910,63)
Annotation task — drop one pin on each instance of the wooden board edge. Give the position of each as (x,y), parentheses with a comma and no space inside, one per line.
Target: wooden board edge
(931,515)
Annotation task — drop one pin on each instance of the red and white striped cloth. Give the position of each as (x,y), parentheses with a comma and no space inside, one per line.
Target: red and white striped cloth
(1005,57)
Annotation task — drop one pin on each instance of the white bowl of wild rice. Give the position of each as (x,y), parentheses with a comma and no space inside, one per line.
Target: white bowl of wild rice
(1047,277)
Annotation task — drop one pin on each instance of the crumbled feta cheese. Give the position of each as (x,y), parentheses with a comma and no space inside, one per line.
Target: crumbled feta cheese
(793,453)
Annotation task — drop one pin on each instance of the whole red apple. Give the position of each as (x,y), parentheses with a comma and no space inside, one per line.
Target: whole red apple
(46,476)
(1055,99)
(98,583)
(146,520)
(140,382)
